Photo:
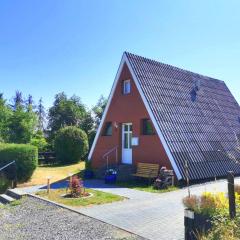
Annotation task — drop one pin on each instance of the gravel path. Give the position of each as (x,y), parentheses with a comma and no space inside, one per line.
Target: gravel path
(35,219)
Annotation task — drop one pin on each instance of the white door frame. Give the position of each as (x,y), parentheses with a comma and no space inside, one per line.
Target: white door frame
(127,144)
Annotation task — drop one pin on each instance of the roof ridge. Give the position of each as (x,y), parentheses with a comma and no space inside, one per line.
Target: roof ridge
(128,54)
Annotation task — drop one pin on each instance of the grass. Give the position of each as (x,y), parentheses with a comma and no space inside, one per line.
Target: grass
(144,186)
(97,198)
(15,203)
(56,173)
(12,204)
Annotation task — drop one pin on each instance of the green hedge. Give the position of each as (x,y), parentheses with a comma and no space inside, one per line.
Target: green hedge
(71,145)
(4,183)
(26,157)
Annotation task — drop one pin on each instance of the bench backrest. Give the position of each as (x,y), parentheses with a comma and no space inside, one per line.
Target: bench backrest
(148,169)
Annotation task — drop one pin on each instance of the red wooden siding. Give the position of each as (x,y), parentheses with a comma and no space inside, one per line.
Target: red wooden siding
(128,109)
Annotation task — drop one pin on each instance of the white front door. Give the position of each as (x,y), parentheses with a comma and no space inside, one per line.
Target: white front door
(127,143)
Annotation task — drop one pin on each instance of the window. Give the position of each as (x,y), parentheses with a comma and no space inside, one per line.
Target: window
(126,86)
(107,129)
(147,127)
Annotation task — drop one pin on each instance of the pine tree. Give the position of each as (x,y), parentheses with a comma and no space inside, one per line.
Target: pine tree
(41,115)
(18,100)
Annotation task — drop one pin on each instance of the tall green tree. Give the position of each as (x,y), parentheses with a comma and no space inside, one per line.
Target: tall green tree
(66,112)
(98,110)
(41,115)
(18,101)
(29,103)
(5,114)
(22,122)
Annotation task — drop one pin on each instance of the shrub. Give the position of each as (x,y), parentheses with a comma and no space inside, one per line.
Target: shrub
(25,156)
(40,143)
(76,186)
(224,228)
(4,183)
(207,203)
(71,145)
(191,202)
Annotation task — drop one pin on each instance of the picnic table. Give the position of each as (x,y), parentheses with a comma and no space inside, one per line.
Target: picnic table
(46,158)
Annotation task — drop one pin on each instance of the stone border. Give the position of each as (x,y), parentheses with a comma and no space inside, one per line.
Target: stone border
(84,197)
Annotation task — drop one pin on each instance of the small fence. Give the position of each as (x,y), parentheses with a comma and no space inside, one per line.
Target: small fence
(9,171)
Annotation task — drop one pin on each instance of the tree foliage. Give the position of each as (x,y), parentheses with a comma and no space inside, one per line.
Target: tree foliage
(98,110)
(23,120)
(17,121)
(71,145)
(5,113)
(41,115)
(65,112)
(39,141)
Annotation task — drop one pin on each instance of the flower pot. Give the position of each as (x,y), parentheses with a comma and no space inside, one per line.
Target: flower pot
(110,179)
(88,174)
(195,224)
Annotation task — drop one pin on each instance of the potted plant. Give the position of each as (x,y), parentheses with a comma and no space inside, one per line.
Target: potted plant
(199,212)
(110,176)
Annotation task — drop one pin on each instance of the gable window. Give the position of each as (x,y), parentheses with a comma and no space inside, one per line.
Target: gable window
(147,127)
(126,86)
(107,131)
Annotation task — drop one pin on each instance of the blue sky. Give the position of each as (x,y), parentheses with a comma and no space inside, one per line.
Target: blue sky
(75,46)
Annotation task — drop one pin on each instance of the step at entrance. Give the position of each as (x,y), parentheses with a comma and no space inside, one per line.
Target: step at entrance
(4,198)
(10,196)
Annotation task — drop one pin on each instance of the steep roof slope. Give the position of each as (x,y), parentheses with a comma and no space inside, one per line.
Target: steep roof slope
(197,115)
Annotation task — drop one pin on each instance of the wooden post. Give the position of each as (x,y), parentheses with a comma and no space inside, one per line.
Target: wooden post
(70,182)
(187,178)
(231,195)
(48,184)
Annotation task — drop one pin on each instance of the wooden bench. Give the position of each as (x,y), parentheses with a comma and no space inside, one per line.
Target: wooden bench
(46,158)
(147,170)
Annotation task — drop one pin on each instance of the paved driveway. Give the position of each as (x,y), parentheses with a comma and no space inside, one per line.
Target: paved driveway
(151,215)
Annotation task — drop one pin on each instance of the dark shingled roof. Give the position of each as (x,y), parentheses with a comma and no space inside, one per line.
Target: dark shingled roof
(197,115)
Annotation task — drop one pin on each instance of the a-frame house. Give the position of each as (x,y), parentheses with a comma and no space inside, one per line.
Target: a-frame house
(157,113)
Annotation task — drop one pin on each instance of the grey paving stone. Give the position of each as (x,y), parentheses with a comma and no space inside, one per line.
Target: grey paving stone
(151,215)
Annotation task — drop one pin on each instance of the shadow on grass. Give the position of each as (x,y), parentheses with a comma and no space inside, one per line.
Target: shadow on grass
(54,165)
(143,185)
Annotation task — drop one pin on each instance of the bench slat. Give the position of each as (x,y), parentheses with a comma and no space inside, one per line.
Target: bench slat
(147,170)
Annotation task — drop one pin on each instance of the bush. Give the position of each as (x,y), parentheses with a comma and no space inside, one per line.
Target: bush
(40,143)
(4,183)
(224,228)
(76,186)
(71,145)
(25,155)
(207,203)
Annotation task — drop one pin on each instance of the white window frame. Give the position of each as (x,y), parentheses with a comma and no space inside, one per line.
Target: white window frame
(126,90)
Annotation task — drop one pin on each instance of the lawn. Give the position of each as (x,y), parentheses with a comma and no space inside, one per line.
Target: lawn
(144,186)
(55,172)
(97,198)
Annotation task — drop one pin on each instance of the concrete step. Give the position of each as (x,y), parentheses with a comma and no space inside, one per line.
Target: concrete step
(4,198)
(15,193)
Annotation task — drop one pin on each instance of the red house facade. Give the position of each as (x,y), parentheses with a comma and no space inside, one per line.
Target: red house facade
(133,130)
